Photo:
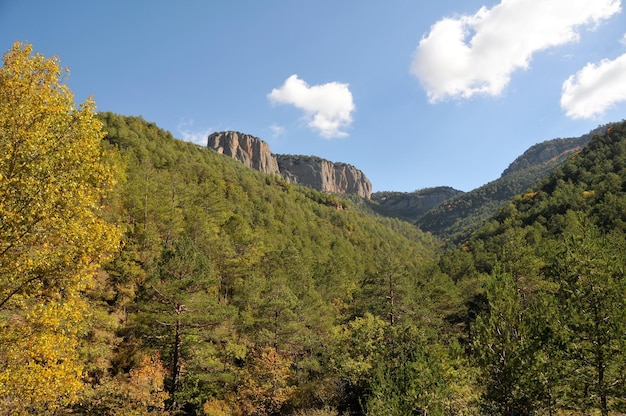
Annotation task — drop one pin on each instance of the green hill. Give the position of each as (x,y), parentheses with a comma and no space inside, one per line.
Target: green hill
(549,289)
(237,293)
(456,218)
(224,268)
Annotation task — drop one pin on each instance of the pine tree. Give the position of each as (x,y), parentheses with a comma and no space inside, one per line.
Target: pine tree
(592,287)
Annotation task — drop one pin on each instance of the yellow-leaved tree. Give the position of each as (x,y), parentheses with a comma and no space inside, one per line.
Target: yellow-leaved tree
(53,183)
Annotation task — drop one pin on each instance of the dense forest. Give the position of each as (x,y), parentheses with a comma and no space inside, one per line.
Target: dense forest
(143,275)
(458,217)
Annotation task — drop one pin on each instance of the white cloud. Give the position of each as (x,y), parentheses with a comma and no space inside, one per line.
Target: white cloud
(595,88)
(623,41)
(327,108)
(188,134)
(277,130)
(469,55)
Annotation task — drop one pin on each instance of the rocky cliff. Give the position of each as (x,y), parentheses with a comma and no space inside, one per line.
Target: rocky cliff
(249,150)
(323,175)
(315,172)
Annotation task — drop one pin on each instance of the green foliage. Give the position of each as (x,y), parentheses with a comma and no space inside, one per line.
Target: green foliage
(238,293)
(410,206)
(552,336)
(222,262)
(456,218)
(589,270)
(503,350)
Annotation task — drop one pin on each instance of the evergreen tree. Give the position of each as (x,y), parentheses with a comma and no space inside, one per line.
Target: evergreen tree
(589,271)
(502,350)
(177,311)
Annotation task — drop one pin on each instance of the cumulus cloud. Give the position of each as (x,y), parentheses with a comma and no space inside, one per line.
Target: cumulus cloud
(189,134)
(595,88)
(468,55)
(327,108)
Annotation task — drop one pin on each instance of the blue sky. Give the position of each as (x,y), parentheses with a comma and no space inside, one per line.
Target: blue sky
(414,93)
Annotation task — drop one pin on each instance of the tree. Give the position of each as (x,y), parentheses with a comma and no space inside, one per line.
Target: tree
(410,377)
(501,346)
(53,184)
(265,384)
(592,288)
(177,310)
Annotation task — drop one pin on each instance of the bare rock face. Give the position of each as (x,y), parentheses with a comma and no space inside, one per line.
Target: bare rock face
(315,172)
(249,150)
(323,175)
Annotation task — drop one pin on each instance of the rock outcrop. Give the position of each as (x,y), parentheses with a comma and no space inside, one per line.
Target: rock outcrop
(323,175)
(249,150)
(312,171)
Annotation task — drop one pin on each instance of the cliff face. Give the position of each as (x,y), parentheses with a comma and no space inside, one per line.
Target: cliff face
(315,172)
(249,150)
(323,175)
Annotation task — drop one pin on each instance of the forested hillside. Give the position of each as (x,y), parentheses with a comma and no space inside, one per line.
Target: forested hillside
(456,218)
(143,275)
(552,334)
(247,294)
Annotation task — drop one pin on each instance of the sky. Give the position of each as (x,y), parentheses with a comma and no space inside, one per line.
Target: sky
(415,93)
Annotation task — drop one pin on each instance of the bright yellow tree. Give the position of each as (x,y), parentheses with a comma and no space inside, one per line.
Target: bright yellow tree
(53,183)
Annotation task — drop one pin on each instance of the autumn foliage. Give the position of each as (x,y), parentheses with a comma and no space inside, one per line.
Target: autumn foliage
(238,293)
(52,184)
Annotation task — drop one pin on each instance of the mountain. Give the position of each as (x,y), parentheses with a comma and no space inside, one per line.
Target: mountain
(242,291)
(456,218)
(229,276)
(411,205)
(312,171)
(443,211)
(237,292)
(549,284)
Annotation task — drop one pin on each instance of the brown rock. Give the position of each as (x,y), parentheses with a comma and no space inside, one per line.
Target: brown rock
(323,175)
(315,172)
(249,150)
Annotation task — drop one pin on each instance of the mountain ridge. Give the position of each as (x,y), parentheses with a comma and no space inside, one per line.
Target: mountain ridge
(442,210)
(313,171)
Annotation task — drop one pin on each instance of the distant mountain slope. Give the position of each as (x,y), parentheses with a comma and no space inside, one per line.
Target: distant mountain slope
(592,184)
(547,270)
(410,205)
(456,218)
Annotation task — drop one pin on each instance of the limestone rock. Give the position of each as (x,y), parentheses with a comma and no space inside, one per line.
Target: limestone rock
(249,150)
(312,171)
(323,175)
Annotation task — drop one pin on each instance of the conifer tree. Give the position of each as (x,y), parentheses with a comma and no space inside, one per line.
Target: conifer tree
(592,289)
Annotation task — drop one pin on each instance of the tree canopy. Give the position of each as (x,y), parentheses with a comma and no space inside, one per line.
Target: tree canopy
(53,182)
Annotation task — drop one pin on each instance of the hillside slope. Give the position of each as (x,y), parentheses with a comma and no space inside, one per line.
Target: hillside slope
(548,283)
(456,218)
(224,267)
